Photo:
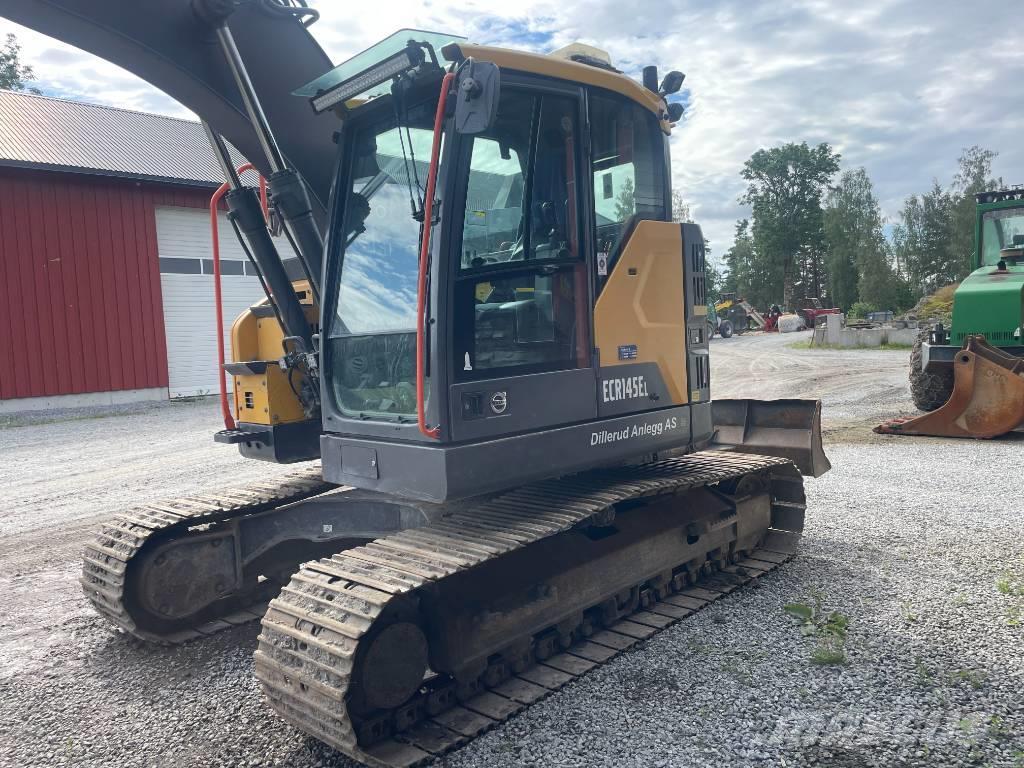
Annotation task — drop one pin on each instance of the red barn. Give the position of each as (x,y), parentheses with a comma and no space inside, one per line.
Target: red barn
(105,270)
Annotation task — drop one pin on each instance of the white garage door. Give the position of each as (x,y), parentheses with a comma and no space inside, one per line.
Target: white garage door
(186,278)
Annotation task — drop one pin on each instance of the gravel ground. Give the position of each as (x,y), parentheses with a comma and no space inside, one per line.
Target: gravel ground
(909,539)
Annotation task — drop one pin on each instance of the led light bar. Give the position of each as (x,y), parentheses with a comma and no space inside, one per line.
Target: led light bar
(379,73)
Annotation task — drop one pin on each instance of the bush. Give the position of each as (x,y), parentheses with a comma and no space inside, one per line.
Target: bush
(859,310)
(938,305)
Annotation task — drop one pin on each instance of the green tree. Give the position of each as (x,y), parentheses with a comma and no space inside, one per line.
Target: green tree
(739,261)
(712,282)
(923,241)
(858,259)
(625,203)
(680,208)
(712,276)
(785,186)
(973,176)
(13,73)
(933,244)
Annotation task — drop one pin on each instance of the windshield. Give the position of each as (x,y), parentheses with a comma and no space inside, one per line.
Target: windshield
(373,331)
(1002,235)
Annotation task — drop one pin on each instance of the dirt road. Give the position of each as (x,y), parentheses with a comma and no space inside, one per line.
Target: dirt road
(857,387)
(884,542)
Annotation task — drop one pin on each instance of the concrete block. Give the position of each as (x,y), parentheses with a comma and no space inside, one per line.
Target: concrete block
(900,336)
(83,400)
(834,328)
(870,337)
(848,338)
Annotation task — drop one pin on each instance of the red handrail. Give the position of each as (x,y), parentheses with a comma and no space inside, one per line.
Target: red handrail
(421,288)
(229,421)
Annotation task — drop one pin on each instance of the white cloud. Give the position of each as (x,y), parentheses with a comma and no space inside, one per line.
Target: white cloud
(898,86)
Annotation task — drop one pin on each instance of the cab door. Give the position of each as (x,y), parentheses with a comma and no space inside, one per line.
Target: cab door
(520,339)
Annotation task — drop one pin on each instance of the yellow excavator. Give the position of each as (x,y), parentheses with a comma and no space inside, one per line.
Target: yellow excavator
(489,341)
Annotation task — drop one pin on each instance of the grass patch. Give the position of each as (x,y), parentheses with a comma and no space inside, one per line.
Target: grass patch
(908,613)
(828,628)
(970,676)
(1011,585)
(806,344)
(924,675)
(826,655)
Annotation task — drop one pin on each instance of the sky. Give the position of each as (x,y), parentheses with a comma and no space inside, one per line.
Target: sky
(899,87)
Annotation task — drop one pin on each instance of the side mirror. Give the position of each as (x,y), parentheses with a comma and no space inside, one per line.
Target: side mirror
(477,90)
(672,83)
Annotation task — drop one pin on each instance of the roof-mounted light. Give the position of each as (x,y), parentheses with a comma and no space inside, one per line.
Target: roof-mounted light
(405,60)
(367,75)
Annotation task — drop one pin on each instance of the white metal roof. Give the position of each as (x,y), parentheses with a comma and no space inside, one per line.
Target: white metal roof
(59,134)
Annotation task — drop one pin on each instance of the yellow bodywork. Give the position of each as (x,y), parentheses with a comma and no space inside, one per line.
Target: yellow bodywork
(565,69)
(643,303)
(256,336)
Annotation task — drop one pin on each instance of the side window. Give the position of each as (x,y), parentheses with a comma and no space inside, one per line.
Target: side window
(628,169)
(521,301)
(521,193)
(495,193)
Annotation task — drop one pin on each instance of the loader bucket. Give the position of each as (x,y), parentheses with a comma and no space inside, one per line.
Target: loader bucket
(987,399)
(787,428)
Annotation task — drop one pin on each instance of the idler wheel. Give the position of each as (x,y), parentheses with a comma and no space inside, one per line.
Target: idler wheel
(393,667)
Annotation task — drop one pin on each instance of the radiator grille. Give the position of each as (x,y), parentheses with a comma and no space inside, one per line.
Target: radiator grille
(697,274)
(991,336)
(702,373)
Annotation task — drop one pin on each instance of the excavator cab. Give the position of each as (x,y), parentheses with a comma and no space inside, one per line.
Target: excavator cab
(523,292)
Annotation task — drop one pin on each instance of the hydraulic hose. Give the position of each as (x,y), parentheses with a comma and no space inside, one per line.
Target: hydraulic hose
(229,421)
(421,287)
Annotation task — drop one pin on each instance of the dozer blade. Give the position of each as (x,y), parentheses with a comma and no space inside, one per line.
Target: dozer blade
(790,429)
(987,399)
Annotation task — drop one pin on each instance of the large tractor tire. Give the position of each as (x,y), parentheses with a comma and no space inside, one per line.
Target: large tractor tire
(725,329)
(929,390)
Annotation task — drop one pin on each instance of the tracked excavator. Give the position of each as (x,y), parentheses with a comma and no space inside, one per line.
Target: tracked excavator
(487,340)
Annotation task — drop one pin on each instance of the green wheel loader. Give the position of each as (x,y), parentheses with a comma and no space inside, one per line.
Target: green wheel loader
(969,378)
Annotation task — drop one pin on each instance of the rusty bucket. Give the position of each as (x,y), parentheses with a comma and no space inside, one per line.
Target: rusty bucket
(987,399)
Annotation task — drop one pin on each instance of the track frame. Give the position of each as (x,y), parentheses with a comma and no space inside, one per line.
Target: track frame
(313,656)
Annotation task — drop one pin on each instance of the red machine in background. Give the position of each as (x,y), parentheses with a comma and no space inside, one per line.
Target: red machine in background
(771,319)
(810,310)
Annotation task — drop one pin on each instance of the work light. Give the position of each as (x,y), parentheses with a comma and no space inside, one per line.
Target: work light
(406,59)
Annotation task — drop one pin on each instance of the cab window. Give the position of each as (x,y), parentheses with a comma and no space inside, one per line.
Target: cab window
(628,170)
(520,293)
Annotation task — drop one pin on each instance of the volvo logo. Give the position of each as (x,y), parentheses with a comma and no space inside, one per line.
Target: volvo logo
(499,402)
